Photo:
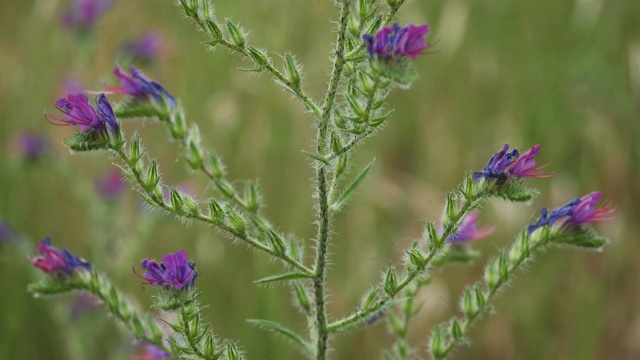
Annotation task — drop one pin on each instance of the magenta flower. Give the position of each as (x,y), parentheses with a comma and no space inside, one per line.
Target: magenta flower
(525,165)
(111,186)
(137,85)
(54,260)
(83,14)
(504,165)
(174,271)
(579,211)
(147,48)
(397,42)
(78,112)
(469,231)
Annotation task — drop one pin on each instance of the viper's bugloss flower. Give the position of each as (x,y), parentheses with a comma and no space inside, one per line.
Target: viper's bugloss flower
(151,352)
(78,112)
(147,48)
(31,146)
(525,165)
(83,14)
(469,231)
(111,186)
(136,84)
(174,271)
(506,164)
(54,260)
(397,42)
(579,211)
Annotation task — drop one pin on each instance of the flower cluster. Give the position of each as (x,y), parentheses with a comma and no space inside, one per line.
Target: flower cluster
(506,164)
(78,112)
(137,85)
(579,211)
(469,231)
(174,271)
(54,260)
(83,14)
(397,42)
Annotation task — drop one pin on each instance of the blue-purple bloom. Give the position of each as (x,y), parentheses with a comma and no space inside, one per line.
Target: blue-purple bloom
(147,48)
(506,164)
(151,352)
(469,231)
(54,260)
(31,146)
(136,84)
(397,42)
(78,112)
(5,232)
(83,14)
(579,211)
(111,186)
(174,271)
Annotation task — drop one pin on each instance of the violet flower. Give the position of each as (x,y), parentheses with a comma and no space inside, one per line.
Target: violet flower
(5,232)
(579,211)
(136,84)
(31,146)
(111,186)
(151,352)
(504,165)
(83,14)
(147,48)
(525,165)
(397,42)
(173,272)
(54,260)
(78,112)
(469,231)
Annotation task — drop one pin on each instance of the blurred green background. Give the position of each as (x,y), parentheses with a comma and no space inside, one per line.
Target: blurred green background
(565,74)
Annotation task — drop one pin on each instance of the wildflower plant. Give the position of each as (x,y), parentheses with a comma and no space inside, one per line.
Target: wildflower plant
(372,56)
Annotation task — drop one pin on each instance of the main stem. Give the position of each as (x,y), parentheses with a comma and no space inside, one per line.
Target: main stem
(323,193)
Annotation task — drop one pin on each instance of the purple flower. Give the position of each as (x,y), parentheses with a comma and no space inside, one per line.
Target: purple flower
(579,211)
(151,352)
(469,231)
(397,42)
(54,260)
(31,146)
(83,14)
(5,232)
(111,186)
(137,85)
(147,48)
(504,165)
(525,165)
(78,112)
(174,271)
(71,85)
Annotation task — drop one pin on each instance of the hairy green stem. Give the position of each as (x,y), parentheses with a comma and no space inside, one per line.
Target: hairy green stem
(513,266)
(119,153)
(323,196)
(468,206)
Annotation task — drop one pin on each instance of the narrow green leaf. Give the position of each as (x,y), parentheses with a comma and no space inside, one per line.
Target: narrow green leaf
(338,204)
(281,277)
(275,327)
(316,157)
